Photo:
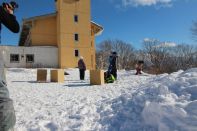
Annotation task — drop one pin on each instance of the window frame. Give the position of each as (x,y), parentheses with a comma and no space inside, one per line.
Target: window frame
(32,57)
(76,53)
(13,59)
(76,18)
(76,37)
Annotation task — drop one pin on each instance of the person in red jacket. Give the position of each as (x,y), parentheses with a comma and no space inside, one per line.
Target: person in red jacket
(139,67)
(82,68)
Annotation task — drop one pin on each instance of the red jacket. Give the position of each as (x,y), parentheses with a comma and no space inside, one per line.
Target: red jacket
(81,64)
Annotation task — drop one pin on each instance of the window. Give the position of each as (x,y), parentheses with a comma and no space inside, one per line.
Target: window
(76,18)
(14,58)
(76,53)
(76,37)
(29,58)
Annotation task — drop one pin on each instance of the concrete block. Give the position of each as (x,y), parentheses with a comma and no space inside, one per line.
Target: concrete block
(42,75)
(97,77)
(57,75)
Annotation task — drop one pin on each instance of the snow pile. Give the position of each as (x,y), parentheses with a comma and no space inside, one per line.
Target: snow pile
(133,103)
(165,103)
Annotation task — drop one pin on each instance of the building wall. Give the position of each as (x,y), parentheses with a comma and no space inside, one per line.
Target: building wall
(44,32)
(67,27)
(43,56)
(93,54)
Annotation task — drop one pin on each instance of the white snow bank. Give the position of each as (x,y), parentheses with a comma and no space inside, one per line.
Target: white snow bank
(72,105)
(133,103)
(164,103)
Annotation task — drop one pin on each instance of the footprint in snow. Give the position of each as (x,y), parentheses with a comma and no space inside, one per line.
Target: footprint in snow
(48,126)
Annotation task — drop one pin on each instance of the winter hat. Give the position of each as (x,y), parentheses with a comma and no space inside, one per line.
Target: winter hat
(140,62)
(81,57)
(13,4)
(114,53)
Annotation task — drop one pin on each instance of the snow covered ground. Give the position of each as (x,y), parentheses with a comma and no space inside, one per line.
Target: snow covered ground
(133,103)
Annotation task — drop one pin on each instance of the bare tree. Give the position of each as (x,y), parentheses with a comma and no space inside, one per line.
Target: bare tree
(157,54)
(124,50)
(103,51)
(125,53)
(158,57)
(185,56)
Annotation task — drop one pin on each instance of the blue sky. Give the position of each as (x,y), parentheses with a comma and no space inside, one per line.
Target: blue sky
(128,20)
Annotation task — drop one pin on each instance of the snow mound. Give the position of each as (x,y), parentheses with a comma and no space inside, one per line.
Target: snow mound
(165,103)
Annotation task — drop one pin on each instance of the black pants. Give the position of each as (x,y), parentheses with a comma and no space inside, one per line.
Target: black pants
(82,74)
(138,71)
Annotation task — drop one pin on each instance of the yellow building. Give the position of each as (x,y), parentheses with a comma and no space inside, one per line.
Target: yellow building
(70,29)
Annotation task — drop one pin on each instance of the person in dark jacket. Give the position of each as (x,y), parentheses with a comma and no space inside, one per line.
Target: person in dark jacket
(7,17)
(7,113)
(82,68)
(112,69)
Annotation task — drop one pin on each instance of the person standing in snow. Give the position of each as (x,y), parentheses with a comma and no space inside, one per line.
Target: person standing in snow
(112,69)
(138,67)
(7,113)
(82,68)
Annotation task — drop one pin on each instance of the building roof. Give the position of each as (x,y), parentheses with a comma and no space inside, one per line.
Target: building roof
(27,24)
(39,17)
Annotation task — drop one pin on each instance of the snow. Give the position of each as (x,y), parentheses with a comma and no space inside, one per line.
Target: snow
(146,102)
